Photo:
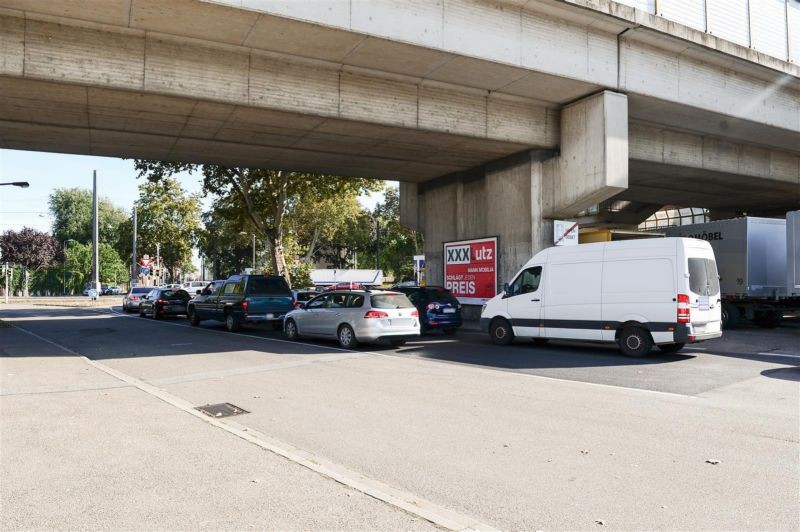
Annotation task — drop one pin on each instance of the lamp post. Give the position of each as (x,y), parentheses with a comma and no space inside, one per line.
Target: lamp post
(64,290)
(20,184)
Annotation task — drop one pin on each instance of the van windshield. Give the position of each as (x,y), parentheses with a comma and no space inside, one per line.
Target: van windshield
(268,286)
(703,277)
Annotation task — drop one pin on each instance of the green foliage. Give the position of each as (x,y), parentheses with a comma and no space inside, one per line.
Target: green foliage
(167,215)
(262,199)
(79,265)
(71,209)
(227,251)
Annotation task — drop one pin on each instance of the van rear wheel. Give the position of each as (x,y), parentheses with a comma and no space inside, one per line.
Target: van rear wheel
(501,331)
(635,342)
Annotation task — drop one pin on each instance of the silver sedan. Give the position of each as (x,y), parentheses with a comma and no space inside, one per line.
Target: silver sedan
(355,316)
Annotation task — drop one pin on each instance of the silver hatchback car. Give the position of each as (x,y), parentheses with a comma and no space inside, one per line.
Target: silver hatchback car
(354,316)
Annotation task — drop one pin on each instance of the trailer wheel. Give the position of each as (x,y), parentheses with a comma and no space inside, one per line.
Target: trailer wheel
(635,342)
(768,319)
(730,316)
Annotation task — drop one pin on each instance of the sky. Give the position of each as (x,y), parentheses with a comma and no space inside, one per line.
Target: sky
(116,180)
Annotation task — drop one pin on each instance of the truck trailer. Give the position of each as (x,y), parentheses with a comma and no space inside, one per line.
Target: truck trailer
(759,265)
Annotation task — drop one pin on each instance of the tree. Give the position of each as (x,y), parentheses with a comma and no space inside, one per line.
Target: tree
(79,264)
(264,197)
(398,243)
(222,242)
(168,216)
(71,209)
(30,249)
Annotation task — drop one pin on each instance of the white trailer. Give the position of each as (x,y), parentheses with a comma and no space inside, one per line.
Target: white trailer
(759,265)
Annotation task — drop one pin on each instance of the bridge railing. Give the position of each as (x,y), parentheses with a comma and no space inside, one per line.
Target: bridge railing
(768,26)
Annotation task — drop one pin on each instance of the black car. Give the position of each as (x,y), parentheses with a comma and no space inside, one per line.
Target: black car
(244,299)
(438,307)
(162,302)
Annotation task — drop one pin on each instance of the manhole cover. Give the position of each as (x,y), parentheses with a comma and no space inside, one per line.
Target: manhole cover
(221,410)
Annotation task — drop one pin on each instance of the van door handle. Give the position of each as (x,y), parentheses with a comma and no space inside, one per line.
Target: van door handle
(535,299)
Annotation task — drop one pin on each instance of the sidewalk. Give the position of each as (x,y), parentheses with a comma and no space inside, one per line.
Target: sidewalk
(83,450)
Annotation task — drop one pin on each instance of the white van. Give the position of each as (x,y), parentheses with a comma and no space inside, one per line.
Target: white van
(638,293)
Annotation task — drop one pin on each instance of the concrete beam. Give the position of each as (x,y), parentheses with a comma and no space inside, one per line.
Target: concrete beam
(681,149)
(593,164)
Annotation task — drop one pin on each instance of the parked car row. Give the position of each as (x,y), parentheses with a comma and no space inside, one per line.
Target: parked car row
(351,316)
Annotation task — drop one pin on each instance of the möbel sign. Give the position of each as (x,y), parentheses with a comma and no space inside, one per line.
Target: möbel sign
(470,269)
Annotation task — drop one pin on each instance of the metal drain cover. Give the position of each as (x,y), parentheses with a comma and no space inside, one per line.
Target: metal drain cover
(221,410)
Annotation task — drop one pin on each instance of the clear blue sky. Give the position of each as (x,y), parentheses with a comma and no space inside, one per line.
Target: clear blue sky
(116,178)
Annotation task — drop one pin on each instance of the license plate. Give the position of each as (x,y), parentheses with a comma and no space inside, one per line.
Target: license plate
(703,303)
(401,322)
(449,311)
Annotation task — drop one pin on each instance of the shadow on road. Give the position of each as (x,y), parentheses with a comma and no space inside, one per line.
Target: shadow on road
(787,374)
(527,355)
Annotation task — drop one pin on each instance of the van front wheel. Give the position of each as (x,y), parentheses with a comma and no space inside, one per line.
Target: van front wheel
(635,342)
(501,332)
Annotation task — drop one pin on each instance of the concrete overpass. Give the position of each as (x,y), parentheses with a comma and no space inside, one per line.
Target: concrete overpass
(496,115)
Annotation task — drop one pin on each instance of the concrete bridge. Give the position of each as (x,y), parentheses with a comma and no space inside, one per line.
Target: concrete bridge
(495,115)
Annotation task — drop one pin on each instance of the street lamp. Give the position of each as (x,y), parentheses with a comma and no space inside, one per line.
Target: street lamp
(20,184)
(64,289)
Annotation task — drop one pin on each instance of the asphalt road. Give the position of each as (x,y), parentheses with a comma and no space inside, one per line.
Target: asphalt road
(563,436)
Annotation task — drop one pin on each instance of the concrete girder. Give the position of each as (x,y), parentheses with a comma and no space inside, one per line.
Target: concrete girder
(680,168)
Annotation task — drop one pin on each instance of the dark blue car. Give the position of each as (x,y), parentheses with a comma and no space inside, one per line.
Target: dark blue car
(438,308)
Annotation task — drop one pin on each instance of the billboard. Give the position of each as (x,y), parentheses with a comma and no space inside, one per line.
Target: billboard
(470,269)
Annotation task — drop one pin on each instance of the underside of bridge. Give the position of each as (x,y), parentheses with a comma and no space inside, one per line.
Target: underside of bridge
(527,110)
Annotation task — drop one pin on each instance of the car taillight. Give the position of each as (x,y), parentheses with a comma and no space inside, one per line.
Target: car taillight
(161,301)
(684,312)
(431,306)
(245,304)
(376,314)
(297,304)
(415,313)
(134,298)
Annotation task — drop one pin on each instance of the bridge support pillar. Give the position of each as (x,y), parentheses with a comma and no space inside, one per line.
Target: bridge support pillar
(517,198)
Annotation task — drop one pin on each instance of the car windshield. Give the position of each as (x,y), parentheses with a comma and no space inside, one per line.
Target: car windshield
(267,286)
(390,301)
(141,290)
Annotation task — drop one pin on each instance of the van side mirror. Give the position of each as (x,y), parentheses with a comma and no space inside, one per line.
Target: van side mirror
(506,291)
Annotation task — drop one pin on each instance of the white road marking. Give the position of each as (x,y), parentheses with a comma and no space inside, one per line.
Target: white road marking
(787,355)
(409,502)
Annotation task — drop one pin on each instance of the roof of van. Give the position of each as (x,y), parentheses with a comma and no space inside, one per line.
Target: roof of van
(667,244)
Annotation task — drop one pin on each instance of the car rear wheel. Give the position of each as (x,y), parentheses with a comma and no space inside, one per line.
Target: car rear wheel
(194,319)
(501,332)
(635,342)
(153,312)
(671,348)
(347,338)
(231,323)
(141,312)
(291,330)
